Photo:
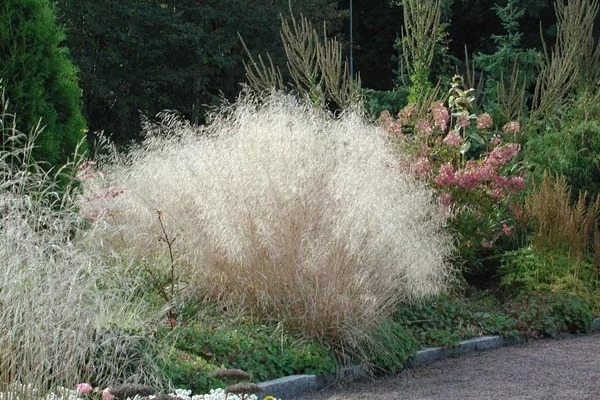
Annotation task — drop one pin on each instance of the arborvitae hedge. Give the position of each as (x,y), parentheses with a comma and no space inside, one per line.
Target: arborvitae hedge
(40,80)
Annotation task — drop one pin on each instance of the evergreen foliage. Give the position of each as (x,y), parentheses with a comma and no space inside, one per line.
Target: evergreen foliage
(41,81)
(570,146)
(139,57)
(510,69)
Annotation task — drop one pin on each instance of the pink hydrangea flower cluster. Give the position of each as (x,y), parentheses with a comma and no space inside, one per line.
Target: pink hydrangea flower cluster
(484,173)
(479,182)
(511,128)
(446,176)
(441,115)
(496,140)
(391,125)
(484,121)
(453,139)
(421,166)
(463,120)
(422,127)
(406,114)
(445,199)
(500,155)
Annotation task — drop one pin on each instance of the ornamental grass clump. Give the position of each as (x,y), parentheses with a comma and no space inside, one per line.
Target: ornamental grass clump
(282,211)
(55,296)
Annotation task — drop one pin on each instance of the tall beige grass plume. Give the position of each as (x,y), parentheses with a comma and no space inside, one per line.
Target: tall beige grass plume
(56,295)
(283,211)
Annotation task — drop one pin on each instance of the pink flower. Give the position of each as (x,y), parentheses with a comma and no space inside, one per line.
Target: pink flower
(507,229)
(496,140)
(463,120)
(502,154)
(500,181)
(107,395)
(394,128)
(87,164)
(421,166)
(497,193)
(388,123)
(484,121)
(446,176)
(446,199)
(453,139)
(385,115)
(467,179)
(441,116)
(511,128)
(385,119)
(516,184)
(406,114)
(84,388)
(485,172)
(423,127)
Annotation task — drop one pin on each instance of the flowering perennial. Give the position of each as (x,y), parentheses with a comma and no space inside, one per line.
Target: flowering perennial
(453,139)
(511,128)
(484,121)
(466,162)
(441,115)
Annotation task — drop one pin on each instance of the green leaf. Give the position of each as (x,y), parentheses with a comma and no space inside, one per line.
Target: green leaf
(476,138)
(465,147)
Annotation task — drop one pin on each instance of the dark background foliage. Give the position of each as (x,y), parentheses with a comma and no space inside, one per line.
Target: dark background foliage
(142,56)
(138,57)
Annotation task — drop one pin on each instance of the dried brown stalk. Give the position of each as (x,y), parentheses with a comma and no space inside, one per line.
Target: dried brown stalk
(561,71)
(420,31)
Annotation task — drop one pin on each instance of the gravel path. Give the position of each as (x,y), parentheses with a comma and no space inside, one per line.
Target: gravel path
(545,369)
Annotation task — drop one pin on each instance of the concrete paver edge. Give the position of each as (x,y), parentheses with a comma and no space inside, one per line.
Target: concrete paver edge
(290,386)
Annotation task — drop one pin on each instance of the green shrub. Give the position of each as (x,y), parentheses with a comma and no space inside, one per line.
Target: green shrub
(187,371)
(444,321)
(393,346)
(510,71)
(530,269)
(574,314)
(253,348)
(550,313)
(376,101)
(41,80)
(570,146)
(534,317)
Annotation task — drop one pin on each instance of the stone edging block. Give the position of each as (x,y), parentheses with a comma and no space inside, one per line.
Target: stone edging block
(291,386)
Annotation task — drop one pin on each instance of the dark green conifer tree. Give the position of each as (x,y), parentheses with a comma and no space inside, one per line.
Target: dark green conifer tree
(40,80)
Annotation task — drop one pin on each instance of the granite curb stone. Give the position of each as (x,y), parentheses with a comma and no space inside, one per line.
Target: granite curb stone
(291,386)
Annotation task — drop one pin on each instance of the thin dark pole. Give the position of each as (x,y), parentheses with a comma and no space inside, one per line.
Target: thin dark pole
(351,44)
